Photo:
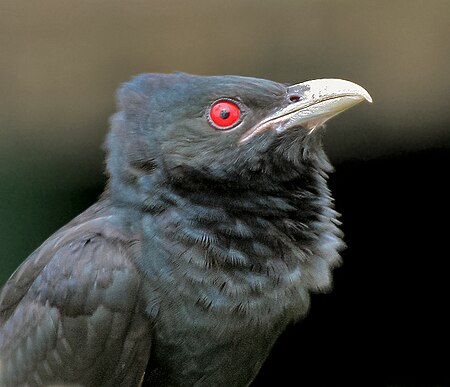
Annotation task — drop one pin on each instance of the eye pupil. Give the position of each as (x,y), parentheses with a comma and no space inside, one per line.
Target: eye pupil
(224,114)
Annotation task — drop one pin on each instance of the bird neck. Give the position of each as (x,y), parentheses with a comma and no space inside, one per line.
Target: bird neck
(237,248)
(269,231)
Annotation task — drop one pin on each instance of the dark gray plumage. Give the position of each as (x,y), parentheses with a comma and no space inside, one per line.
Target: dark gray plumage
(203,248)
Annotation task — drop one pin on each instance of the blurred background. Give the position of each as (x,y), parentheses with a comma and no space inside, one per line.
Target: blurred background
(385,322)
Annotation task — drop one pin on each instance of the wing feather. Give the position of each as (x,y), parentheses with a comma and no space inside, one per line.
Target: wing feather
(72,314)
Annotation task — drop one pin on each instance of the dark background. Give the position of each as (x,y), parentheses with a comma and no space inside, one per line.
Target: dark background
(385,322)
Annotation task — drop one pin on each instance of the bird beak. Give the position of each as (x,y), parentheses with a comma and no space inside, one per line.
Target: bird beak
(311,104)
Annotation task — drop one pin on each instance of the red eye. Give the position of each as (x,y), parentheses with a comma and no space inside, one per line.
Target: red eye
(224,114)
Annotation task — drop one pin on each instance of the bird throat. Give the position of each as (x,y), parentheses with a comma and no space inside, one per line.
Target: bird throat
(240,248)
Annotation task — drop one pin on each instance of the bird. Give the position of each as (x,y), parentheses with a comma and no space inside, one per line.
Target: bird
(215,226)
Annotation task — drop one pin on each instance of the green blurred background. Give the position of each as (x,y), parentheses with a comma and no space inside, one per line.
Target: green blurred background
(61,61)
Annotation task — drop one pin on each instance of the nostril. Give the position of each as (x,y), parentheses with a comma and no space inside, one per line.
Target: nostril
(294,98)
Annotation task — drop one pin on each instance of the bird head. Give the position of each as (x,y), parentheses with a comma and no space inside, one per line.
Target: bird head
(222,129)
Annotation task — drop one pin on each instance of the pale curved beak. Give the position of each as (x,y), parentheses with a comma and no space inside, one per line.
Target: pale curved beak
(310,104)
